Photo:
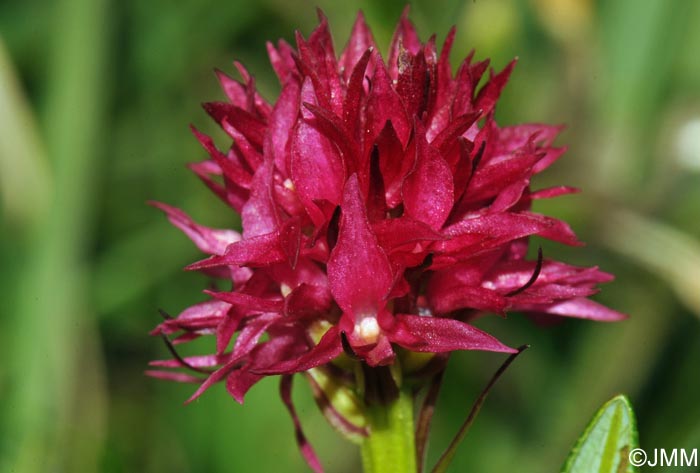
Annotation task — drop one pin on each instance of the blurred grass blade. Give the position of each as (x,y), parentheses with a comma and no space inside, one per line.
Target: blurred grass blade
(606,443)
(24,172)
(54,416)
(664,250)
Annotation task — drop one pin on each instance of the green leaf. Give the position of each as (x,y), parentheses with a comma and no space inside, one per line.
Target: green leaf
(605,444)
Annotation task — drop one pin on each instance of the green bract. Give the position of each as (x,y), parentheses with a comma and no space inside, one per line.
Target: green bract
(605,445)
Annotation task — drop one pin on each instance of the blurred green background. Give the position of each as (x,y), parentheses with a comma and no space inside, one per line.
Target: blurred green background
(95,100)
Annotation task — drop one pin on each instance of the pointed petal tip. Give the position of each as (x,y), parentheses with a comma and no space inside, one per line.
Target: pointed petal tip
(155,203)
(221,76)
(202,264)
(172,376)
(613,316)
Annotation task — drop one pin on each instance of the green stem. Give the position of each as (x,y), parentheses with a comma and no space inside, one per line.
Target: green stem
(390,447)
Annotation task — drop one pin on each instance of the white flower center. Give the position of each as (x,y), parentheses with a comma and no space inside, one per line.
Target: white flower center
(367,328)
(288,184)
(285,289)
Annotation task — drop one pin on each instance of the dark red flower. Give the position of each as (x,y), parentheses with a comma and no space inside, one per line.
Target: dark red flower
(381,206)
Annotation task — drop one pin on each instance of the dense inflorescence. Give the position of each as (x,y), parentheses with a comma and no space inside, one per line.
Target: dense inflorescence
(382,209)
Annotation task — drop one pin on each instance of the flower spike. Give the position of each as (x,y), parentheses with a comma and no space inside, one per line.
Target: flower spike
(382,209)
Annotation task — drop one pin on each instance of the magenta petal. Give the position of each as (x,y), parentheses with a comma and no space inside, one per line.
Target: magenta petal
(557,230)
(176,376)
(333,128)
(239,382)
(384,104)
(326,350)
(290,240)
(260,214)
(456,129)
(488,95)
(254,104)
(281,58)
(234,90)
(508,276)
(317,168)
(307,300)
(513,138)
(351,105)
(438,335)
(203,310)
(235,197)
(551,156)
(403,231)
(578,308)
(493,177)
(208,240)
(359,274)
(282,121)
(286,343)
(361,40)
(394,163)
(249,125)
(225,330)
(511,196)
(305,272)
(281,346)
(427,192)
(251,333)
(475,297)
(248,302)
(382,354)
(406,38)
(504,225)
(444,73)
(413,83)
(246,342)
(471,237)
(231,169)
(318,53)
(244,151)
(468,76)
(549,294)
(265,249)
(214,378)
(552,192)
(200,361)
(186,337)
(205,315)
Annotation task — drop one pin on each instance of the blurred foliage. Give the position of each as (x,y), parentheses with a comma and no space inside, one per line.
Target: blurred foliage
(95,99)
